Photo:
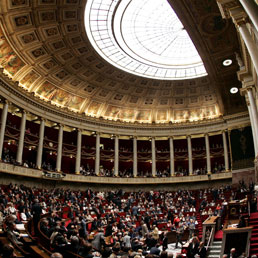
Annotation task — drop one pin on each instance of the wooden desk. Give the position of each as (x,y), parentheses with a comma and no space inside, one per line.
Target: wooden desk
(208,225)
(27,240)
(39,252)
(238,238)
(211,220)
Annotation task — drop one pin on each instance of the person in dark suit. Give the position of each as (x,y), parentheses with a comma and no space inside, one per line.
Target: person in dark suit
(155,250)
(45,228)
(202,251)
(36,211)
(8,251)
(233,253)
(193,248)
(165,242)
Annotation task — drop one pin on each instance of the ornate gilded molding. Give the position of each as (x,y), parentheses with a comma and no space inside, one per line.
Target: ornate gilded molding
(72,178)
(25,100)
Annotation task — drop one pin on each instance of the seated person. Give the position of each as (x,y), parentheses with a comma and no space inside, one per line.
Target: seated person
(13,234)
(7,251)
(44,228)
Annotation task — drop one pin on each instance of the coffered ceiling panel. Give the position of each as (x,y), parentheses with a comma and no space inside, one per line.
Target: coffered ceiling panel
(44,46)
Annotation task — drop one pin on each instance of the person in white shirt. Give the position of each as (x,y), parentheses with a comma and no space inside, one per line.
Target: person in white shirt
(127,240)
(23,216)
(192,209)
(11,209)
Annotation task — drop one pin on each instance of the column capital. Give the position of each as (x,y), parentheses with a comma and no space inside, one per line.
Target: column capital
(240,21)
(247,80)
(224,131)
(243,91)
(25,112)
(233,9)
(6,101)
(225,6)
(42,119)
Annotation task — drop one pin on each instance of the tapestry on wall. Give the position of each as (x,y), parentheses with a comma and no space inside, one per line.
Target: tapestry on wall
(242,148)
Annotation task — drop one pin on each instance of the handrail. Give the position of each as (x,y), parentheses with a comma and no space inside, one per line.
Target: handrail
(210,237)
(249,209)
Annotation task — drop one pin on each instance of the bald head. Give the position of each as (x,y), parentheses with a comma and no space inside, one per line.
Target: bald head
(56,255)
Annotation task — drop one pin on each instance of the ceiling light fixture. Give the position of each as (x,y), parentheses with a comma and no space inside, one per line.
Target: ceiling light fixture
(233,90)
(227,62)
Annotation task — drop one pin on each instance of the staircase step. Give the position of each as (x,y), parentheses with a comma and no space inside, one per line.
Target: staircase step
(214,253)
(254,251)
(253,219)
(217,243)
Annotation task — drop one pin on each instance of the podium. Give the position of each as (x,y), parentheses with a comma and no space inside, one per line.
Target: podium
(238,238)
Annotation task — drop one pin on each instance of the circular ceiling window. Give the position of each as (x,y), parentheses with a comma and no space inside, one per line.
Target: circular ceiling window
(144,38)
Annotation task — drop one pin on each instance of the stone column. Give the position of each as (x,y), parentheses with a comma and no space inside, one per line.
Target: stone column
(153,155)
(172,157)
(239,18)
(254,114)
(135,161)
(40,144)
(21,138)
(59,148)
(250,44)
(247,91)
(97,157)
(3,125)
(116,155)
(225,146)
(252,11)
(190,157)
(208,156)
(253,128)
(78,153)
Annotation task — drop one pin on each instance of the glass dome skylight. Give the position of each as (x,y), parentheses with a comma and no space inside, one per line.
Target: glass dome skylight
(143,37)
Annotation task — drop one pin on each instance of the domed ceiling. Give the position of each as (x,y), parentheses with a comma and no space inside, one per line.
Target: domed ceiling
(44,46)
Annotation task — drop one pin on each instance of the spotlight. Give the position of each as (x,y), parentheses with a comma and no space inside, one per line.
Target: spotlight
(227,62)
(233,90)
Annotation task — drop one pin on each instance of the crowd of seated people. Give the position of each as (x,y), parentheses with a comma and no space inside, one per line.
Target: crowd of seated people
(218,168)
(110,224)
(163,173)
(125,149)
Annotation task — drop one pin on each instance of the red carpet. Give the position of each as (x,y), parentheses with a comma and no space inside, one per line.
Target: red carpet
(253,222)
(218,235)
(254,215)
